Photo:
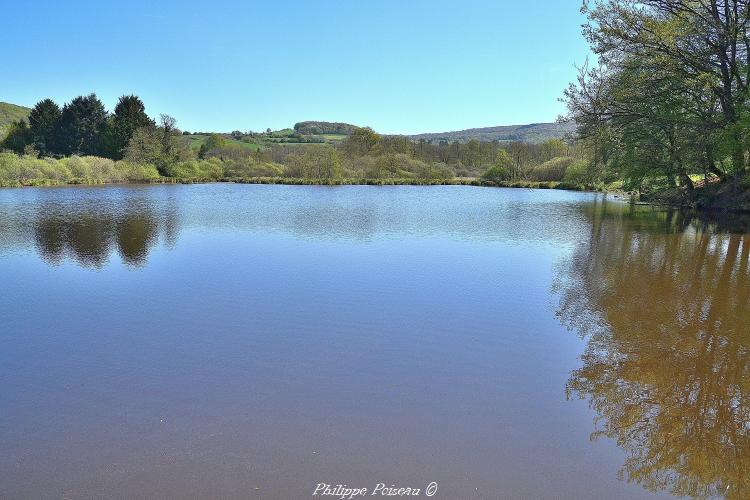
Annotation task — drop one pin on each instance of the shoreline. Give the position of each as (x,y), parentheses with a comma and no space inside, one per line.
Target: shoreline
(298,181)
(700,201)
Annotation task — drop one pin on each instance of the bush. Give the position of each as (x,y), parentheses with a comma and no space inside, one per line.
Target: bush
(578,172)
(210,169)
(497,173)
(28,170)
(552,170)
(250,168)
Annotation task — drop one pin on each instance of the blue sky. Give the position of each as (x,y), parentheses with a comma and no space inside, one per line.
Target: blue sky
(398,66)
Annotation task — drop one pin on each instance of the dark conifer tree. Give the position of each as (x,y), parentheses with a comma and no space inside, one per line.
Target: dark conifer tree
(44,127)
(83,123)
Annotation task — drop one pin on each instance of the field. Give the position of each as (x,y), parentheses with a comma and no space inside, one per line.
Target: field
(334,137)
(195,141)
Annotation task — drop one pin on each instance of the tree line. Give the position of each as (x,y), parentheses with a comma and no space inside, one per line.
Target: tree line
(81,127)
(84,129)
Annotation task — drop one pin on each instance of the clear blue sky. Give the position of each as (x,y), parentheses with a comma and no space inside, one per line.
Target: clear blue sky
(398,66)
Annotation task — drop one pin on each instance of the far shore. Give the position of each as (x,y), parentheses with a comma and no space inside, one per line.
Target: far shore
(702,200)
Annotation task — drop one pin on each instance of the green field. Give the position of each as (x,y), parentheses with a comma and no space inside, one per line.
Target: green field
(196,140)
(334,137)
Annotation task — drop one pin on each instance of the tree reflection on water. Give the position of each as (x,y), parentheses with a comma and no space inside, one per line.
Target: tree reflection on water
(90,235)
(662,298)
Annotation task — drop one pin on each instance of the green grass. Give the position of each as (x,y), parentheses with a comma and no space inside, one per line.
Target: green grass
(10,113)
(196,140)
(334,137)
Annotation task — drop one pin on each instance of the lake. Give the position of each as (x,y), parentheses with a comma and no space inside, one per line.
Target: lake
(247,341)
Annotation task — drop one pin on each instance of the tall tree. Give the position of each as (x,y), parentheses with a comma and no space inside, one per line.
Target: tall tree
(44,125)
(161,146)
(130,115)
(83,123)
(701,44)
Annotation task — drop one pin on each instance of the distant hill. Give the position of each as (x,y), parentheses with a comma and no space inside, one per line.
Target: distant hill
(335,131)
(10,113)
(323,128)
(534,133)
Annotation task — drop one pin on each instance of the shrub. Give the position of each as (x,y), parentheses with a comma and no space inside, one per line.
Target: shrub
(211,169)
(577,172)
(497,173)
(552,170)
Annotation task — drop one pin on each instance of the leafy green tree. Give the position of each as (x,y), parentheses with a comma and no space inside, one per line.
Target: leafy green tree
(160,146)
(361,141)
(319,162)
(83,123)
(44,127)
(145,146)
(670,95)
(502,170)
(213,142)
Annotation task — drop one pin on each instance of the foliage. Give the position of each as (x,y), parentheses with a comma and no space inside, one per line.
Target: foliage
(44,120)
(214,142)
(314,163)
(129,116)
(320,128)
(496,173)
(551,170)
(360,142)
(534,133)
(30,170)
(84,128)
(669,97)
(83,122)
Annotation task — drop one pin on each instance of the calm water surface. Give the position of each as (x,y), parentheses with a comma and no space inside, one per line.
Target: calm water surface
(238,341)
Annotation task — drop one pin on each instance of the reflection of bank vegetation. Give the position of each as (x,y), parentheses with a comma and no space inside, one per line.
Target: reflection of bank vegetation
(664,301)
(92,235)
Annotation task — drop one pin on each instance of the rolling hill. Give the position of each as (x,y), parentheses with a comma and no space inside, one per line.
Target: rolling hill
(534,133)
(10,113)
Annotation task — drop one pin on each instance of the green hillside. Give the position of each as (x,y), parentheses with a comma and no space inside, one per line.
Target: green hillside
(323,128)
(10,113)
(533,133)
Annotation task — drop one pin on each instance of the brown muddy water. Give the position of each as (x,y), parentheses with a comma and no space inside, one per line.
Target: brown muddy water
(242,341)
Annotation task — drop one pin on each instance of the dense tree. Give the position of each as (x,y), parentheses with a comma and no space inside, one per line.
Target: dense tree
(145,146)
(361,141)
(670,94)
(213,142)
(160,146)
(502,170)
(83,123)
(130,115)
(44,127)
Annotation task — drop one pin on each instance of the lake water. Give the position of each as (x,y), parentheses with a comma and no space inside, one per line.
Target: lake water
(241,341)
